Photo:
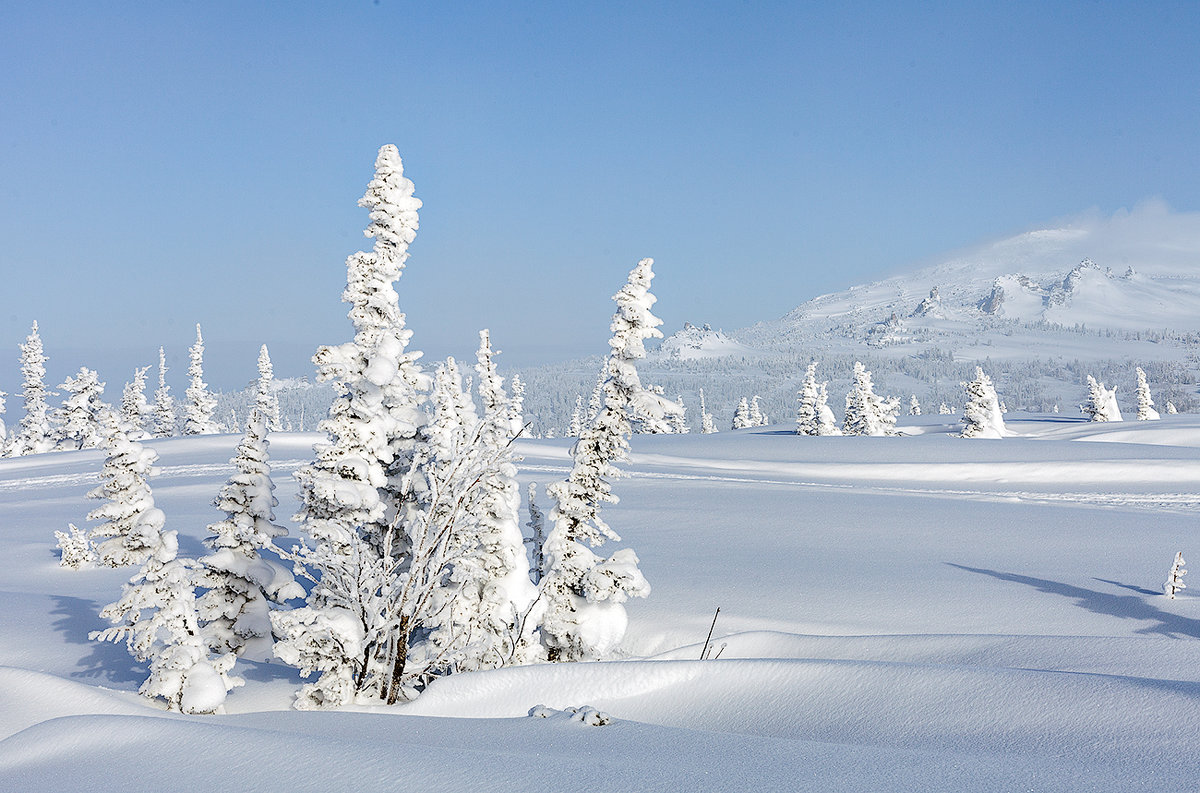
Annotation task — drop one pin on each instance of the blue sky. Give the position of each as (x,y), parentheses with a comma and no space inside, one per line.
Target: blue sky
(171,163)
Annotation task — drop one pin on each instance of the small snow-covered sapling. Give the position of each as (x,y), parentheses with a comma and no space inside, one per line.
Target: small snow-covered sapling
(1175,577)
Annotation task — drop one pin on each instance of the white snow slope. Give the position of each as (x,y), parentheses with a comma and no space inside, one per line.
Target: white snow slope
(922,613)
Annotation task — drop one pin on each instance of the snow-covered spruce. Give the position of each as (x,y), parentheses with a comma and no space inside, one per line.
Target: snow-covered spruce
(131,522)
(1101,404)
(156,617)
(867,413)
(34,434)
(537,536)
(164,405)
(83,413)
(679,424)
(516,401)
(135,414)
(707,426)
(914,407)
(265,398)
(357,497)
(1171,410)
(813,415)
(241,583)
(480,621)
(982,417)
(741,415)
(757,417)
(945,410)
(1145,404)
(654,414)
(1175,577)
(577,418)
(75,547)
(582,594)
(3,428)
(201,405)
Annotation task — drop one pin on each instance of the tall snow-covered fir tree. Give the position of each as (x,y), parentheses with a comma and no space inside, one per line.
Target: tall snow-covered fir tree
(1145,404)
(201,405)
(131,522)
(83,413)
(241,583)
(596,400)
(582,594)
(982,417)
(34,434)
(1101,404)
(135,413)
(813,416)
(866,412)
(914,407)
(156,617)
(164,405)
(360,498)
(266,399)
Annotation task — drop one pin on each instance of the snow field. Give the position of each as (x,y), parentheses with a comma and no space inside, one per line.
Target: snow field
(921,613)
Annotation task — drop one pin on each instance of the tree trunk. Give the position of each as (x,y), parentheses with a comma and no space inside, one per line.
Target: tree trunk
(393,688)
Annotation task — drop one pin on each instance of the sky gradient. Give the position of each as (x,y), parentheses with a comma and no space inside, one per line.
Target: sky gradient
(171,163)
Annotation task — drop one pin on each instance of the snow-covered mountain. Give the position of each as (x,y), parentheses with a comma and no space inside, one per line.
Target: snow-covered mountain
(1040,311)
(693,342)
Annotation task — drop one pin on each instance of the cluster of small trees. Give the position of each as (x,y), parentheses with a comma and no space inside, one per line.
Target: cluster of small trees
(411,562)
(85,421)
(1101,404)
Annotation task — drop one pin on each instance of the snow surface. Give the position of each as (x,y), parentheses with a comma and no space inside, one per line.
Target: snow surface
(920,613)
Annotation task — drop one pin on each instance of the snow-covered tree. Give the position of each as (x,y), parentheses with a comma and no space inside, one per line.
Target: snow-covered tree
(1145,404)
(516,401)
(164,405)
(131,522)
(596,400)
(489,587)
(1175,577)
(757,417)
(358,502)
(679,420)
(201,405)
(577,418)
(537,536)
(3,428)
(914,407)
(135,410)
(83,412)
(266,400)
(1101,404)
(34,434)
(156,618)
(982,417)
(813,415)
(241,583)
(653,413)
(707,427)
(944,410)
(1171,410)
(741,415)
(75,547)
(583,595)
(867,413)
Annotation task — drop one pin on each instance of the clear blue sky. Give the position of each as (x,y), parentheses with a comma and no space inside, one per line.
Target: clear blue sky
(164,163)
